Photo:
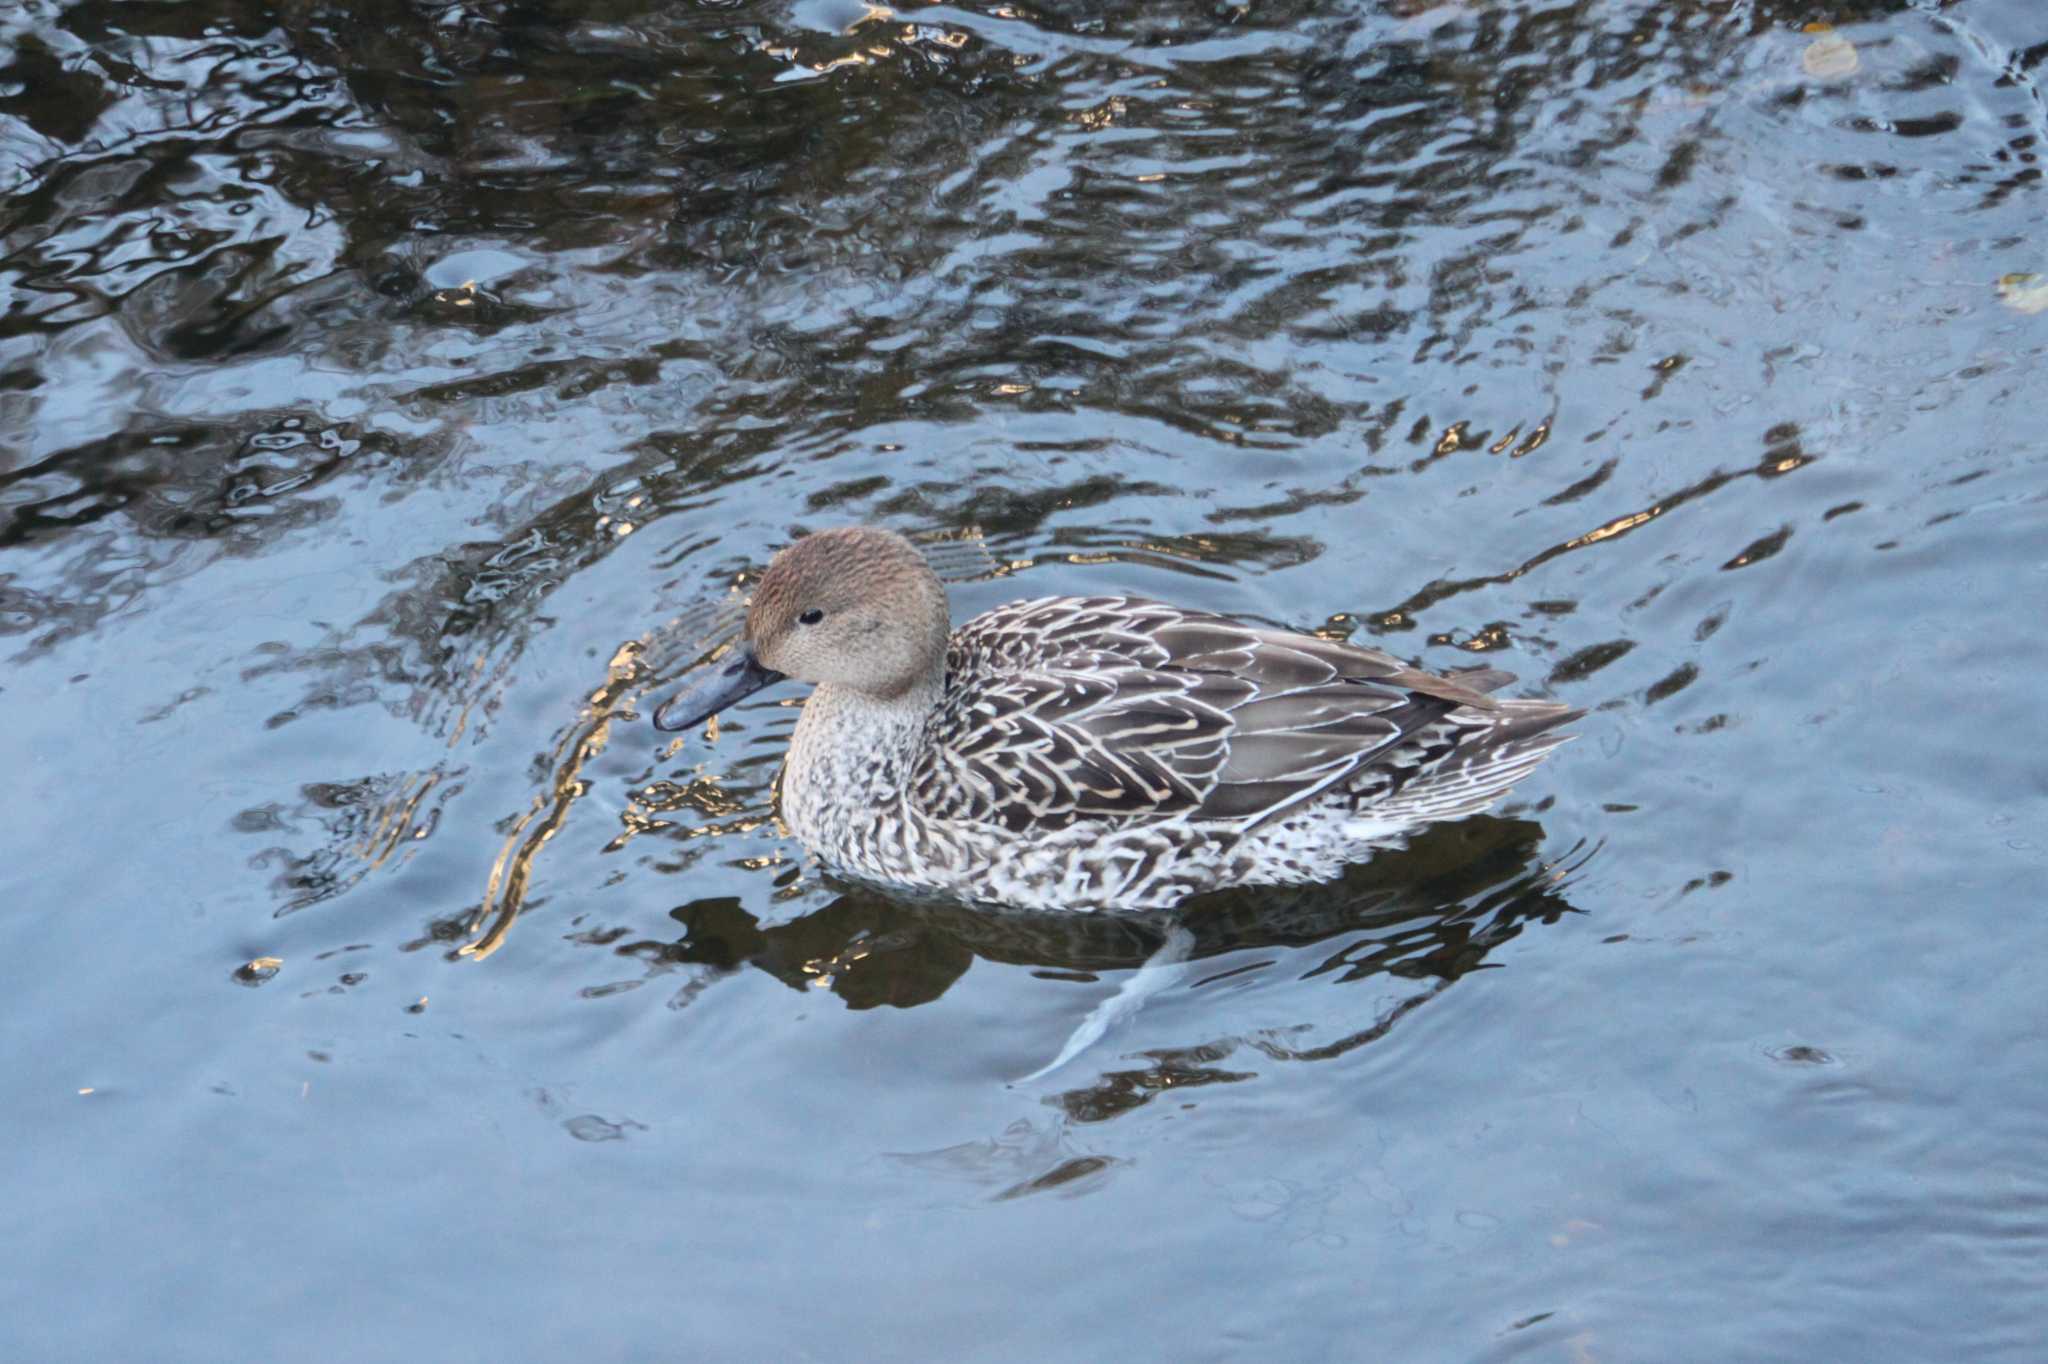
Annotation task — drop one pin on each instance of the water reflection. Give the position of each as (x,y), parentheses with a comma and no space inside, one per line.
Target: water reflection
(460,210)
(363,825)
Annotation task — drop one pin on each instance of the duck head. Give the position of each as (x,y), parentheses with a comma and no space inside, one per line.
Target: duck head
(858,608)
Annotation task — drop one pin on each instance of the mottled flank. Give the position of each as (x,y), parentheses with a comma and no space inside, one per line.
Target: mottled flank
(1106,752)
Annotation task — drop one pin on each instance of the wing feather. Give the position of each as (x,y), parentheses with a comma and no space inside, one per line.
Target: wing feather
(1114,708)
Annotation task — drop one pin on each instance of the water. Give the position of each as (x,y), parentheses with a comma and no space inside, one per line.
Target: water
(373,375)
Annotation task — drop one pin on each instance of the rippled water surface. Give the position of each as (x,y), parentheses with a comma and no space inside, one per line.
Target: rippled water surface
(375,376)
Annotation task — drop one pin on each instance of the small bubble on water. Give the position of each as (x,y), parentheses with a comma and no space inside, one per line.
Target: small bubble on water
(1802,1056)
(590,1127)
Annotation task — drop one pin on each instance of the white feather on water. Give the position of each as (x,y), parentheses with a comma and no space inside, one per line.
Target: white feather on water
(1160,970)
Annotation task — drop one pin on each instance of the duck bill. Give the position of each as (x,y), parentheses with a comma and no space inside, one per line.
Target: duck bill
(739,676)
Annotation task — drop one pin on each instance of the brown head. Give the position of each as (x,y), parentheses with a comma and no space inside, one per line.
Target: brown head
(857,608)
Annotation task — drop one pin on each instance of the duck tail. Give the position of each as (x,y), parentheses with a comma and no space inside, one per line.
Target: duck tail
(1495,749)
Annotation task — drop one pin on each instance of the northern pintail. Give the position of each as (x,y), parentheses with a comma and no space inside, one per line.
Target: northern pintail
(1088,753)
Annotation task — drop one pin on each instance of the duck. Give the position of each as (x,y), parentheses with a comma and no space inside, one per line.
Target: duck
(1095,753)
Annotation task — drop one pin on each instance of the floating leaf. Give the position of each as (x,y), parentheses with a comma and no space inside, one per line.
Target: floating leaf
(254,972)
(2024,293)
(1830,56)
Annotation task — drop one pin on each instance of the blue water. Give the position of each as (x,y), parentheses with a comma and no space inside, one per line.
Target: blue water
(372,376)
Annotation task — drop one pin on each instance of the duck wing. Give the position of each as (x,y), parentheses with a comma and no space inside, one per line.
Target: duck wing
(1114,708)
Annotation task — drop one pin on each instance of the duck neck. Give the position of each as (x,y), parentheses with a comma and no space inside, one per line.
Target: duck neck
(853,753)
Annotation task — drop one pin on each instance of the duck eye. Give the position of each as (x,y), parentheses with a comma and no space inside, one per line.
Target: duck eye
(810,617)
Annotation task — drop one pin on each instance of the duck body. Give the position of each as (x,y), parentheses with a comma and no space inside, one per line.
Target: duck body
(1091,753)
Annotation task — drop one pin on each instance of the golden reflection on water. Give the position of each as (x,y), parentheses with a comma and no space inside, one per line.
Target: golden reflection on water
(629,673)
(1621,525)
(512,873)
(704,631)
(396,824)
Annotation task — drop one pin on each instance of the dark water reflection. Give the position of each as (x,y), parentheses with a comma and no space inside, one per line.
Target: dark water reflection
(376,378)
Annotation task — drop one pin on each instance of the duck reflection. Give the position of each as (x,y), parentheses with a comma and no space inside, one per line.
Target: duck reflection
(1432,911)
